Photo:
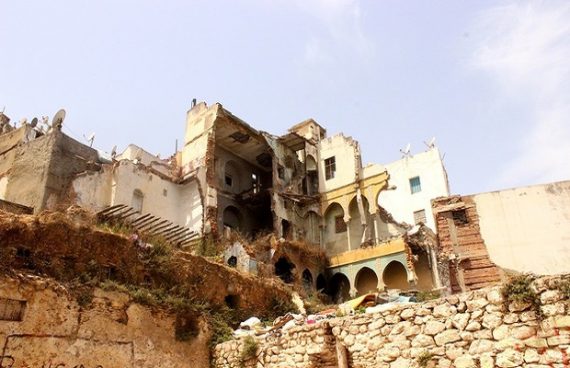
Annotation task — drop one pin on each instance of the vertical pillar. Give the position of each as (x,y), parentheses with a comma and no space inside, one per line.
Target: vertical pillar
(347,222)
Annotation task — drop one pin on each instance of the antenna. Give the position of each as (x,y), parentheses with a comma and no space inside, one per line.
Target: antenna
(34,122)
(431,143)
(406,151)
(90,139)
(57,121)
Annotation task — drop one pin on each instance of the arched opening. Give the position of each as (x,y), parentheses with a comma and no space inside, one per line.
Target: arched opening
(321,283)
(360,227)
(286,229)
(336,240)
(307,278)
(232,261)
(395,276)
(137,201)
(312,175)
(232,301)
(284,270)
(231,180)
(231,218)
(366,281)
(339,288)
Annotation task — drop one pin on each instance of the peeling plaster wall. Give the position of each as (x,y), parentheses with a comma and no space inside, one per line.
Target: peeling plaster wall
(401,203)
(94,189)
(109,332)
(527,229)
(199,125)
(161,197)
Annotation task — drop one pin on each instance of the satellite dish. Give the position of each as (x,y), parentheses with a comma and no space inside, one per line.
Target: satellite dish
(58,118)
(431,143)
(90,139)
(406,151)
(34,122)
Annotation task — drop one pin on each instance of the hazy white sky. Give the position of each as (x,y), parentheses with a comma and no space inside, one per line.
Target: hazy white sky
(489,79)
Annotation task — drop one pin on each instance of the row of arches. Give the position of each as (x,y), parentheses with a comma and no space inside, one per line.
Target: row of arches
(394,276)
(339,286)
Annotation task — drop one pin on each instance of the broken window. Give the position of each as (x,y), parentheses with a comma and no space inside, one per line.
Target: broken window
(420,217)
(330,167)
(460,217)
(339,224)
(281,172)
(415,185)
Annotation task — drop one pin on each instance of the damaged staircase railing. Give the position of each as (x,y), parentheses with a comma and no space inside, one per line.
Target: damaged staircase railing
(153,225)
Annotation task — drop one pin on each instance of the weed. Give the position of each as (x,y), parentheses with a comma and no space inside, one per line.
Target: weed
(249,349)
(85,297)
(564,287)
(424,358)
(519,290)
(424,296)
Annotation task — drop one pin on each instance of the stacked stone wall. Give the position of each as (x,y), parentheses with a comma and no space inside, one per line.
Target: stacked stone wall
(474,329)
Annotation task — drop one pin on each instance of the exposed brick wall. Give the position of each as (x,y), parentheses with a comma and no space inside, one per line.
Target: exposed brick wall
(461,245)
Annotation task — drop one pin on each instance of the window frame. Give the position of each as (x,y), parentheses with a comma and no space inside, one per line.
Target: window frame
(415,188)
(330,167)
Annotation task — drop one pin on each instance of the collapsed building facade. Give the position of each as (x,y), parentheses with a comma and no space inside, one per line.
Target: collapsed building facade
(229,177)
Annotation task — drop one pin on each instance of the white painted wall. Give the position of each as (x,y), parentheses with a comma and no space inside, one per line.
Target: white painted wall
(527,229)
(344,149)
(401,203)
(180,204)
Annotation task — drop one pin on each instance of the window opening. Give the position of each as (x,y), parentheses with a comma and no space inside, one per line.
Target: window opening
(420,217)
(415,185)
(330,168)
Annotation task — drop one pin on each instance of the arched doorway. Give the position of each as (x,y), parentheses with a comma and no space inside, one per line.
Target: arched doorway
(307,278)
(366,281)
(284,270)
(336,239)
(339,288)
(395,276)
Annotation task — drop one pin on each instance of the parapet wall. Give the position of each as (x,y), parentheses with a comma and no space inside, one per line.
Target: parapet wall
(473,329)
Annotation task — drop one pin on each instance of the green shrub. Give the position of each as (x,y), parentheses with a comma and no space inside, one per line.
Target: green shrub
(249,349)
(519,290)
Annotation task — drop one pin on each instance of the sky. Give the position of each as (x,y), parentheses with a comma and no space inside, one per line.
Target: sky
(489,79)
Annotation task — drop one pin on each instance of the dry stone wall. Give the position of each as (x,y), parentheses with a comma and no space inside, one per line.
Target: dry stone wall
(471,330)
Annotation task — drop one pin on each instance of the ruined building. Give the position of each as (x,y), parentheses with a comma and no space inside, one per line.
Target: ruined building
(301,186)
